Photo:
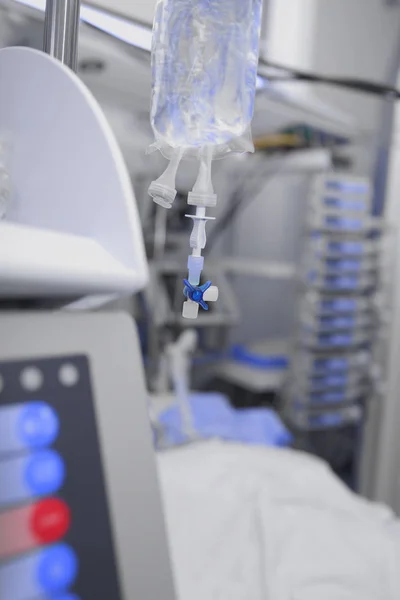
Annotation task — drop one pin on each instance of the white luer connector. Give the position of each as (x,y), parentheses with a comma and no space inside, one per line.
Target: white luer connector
(198,238)
(211,295)
(190,310)
(162,190)
(202,194)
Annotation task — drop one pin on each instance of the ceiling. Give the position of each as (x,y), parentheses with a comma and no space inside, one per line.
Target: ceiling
(140,10)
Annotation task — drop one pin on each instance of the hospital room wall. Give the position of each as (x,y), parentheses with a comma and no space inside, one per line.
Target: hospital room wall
(355,39)
(290,32)
(340,38)
(269,228)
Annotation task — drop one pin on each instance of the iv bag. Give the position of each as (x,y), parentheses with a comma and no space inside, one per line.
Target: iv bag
(204,72)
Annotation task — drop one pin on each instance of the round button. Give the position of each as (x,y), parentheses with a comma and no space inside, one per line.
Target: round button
(44,473)
(50,520)
(38,425)
(57,569)
(31,379)
(68,375)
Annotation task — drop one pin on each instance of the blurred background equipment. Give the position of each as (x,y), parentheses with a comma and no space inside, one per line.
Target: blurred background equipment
(301,349)
(332,363)
(315,115)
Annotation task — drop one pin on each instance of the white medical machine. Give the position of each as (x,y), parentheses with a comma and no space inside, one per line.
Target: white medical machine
(80,509)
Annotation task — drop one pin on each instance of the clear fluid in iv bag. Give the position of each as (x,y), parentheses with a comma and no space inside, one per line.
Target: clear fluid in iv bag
(204,69)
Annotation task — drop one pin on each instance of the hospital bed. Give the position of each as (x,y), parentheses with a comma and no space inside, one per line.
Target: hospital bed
(266,524)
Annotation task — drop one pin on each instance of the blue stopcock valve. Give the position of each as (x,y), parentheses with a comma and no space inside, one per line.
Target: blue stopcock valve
(196,292)
(198,295)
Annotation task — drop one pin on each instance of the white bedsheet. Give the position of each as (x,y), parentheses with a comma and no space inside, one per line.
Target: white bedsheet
(248,523)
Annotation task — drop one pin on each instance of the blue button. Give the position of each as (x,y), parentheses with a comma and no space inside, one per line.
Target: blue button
(38,425)
(45,473)
(57,569)
(67,597)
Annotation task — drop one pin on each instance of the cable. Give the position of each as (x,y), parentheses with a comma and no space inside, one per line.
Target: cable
(359,85)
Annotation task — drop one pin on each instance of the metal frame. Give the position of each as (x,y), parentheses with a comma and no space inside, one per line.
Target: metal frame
(381,454)
(61,29)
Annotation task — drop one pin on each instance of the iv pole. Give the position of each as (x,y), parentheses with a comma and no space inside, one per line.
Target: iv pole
(61,30)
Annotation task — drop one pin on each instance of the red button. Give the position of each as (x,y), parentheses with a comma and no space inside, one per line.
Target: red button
(50,520)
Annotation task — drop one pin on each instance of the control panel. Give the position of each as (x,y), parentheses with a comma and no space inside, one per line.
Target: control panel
(55,528)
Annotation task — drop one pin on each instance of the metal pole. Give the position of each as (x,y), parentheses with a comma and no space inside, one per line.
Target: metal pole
(386,125)
(61,29)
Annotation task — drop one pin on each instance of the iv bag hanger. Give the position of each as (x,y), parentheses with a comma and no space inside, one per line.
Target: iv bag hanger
(71,227)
